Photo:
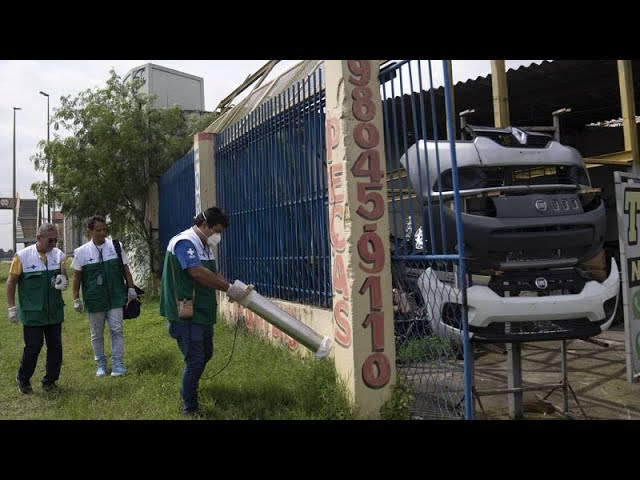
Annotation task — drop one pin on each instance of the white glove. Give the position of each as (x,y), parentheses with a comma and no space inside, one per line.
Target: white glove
(77,305)
(61,282)
(131,294)
(13,314)
(238,290)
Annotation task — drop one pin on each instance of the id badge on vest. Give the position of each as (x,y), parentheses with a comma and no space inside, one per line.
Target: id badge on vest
(99,280)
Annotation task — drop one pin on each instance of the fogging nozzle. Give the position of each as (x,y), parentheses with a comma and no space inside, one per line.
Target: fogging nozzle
(325,348)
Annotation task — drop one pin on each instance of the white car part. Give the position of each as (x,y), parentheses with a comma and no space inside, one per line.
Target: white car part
(486,307)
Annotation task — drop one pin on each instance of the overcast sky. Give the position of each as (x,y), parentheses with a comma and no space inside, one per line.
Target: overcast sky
(21,80)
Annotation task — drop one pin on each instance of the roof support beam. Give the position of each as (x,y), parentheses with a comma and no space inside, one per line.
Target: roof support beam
(625,77)
(453,99)
(500,94)
(223,106)
(617,158)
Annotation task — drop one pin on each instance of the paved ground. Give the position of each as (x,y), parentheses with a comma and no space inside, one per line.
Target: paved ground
(597,375)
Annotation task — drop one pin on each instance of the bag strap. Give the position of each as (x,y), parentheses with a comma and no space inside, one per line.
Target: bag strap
(118,247)
(175,290)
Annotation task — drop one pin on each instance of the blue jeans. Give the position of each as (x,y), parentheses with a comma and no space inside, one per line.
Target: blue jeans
(196,344)
(97,321)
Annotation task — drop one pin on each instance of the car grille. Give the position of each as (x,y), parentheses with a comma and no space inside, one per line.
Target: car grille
(509,141)
(539,283)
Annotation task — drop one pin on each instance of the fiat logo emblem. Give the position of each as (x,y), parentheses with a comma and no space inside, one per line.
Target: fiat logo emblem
(541,205)
(541,283)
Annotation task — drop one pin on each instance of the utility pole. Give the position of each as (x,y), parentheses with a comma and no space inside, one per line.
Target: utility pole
(48,163)
(15,198)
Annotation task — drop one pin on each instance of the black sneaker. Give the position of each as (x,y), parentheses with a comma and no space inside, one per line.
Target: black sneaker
(24,387)
(50,387)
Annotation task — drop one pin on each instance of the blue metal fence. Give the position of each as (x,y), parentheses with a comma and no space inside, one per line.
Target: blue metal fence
(176,191)
(271,179)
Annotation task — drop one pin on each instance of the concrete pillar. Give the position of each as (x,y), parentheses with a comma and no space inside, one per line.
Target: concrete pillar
(204,171)
(359,229)
(500,94)
(625,76)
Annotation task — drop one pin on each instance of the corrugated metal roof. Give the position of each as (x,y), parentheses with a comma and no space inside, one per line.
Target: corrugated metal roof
(589,87)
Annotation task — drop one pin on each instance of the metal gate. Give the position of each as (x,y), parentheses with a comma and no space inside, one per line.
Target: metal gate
(427,251)
(176,192)
(271,179)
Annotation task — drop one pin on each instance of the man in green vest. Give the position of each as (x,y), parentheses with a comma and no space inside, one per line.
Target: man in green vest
(97,269)
(189,273)
(40,275)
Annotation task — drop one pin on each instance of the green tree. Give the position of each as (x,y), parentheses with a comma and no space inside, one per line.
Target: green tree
(109,147)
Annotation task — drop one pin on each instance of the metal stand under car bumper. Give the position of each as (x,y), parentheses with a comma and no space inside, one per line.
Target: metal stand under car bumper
(486,307)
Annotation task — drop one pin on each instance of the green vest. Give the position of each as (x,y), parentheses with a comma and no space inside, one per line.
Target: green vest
(103,286)
(39,303)
(205,304)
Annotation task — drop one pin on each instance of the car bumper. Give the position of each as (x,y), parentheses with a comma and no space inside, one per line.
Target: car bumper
(485,307)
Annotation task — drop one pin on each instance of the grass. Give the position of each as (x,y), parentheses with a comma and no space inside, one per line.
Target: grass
(423,349)
(262,381)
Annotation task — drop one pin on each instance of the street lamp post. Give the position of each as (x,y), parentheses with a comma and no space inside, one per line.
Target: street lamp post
(15,199)
(48,163)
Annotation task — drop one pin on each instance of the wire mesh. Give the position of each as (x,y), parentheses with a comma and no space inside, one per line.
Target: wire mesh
(429,300)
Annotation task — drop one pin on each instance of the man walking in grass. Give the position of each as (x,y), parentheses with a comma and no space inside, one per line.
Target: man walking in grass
(39,273)
(189,274)
(96,268)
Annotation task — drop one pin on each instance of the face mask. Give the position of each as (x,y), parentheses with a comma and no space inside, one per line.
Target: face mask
(214,239)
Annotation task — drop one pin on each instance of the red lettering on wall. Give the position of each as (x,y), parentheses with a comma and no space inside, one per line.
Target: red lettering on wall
(333,136)
(335,181)
(375,320)
(363,108)
(263,328)
(366,135)
(371,252)
(375,295)
(276,332)
(340,277)
(342,331)
(376,370)
(366,196)
(361,72)
(336,212)
(368,165)
(335,173)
